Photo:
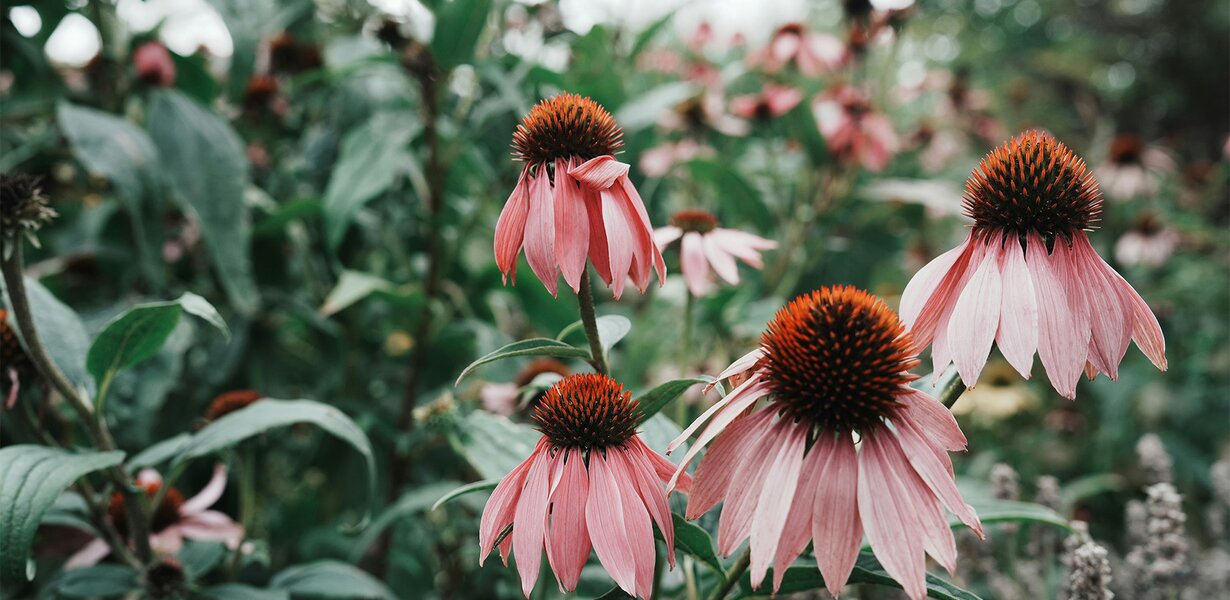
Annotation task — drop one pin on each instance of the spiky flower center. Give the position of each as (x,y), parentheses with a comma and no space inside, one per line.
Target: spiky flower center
(695,220)
(1032,183)
(837,358)
(589,412)
(566,126)
(229,402)
(165,515)
(1126,149)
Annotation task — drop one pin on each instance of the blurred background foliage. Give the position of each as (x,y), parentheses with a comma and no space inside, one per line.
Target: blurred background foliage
(331,183)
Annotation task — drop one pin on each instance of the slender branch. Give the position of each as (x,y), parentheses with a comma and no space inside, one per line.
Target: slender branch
(732,576)
(585,299)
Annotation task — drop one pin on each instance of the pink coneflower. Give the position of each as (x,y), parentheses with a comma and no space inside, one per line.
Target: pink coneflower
(772,102)
(153,64)
(1149,243)
(174,519)
(1133,168)
(505,398)
(1027,278)
(590,481)
(812,52)
(843,446)
(659,160)
(574,201)
(855,133)
(707,247)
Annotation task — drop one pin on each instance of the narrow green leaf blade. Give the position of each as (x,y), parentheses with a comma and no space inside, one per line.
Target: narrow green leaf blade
(655,400)
(458,26)
(531,347)
(99,581)
(494,445)
(351,287)
(1010,511)
(469,488)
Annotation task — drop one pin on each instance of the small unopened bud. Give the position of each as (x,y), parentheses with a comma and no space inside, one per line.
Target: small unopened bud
(23,208)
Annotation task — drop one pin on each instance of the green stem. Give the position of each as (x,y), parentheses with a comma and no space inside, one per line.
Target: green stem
(732,576)
(659,566)
(685,346)
(689,578)
(585,299)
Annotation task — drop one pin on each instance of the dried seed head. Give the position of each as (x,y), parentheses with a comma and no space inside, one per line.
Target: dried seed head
(566,126)
(837,358)
(23,207)
(695,220)
(1032,183)
(589,412)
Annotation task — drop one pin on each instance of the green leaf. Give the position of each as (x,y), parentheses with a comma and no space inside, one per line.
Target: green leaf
(695,541)
(530,347)
(31,478)
(331,579)
(866,571)
(1091,485)
(206,164)
(202,309)
(494,445)
(351,287)
(159,453)
(69,344)
(655,400)
(469,488)
(131,338)
(1009,511)
(266,414)
(412,502)
(239,591)
(739,198)
(99,581)
(199,558)
(372,156)
(458,26)
(611,329)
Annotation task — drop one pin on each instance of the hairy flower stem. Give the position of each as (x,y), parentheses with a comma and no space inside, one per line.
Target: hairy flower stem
(585,298)
(134,498)
(733,575)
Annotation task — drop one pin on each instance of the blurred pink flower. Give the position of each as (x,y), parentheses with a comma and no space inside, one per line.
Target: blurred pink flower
(174,520)
(854,132)
(586,208)
(505,398)
(832,365)
(1148,243)
(153,64)
(704,111)
(1133,168)
(813,53)
(1027,278)
(500,398)
(707,248)
(773,101)
(701,36)
(591,482)
(659,160)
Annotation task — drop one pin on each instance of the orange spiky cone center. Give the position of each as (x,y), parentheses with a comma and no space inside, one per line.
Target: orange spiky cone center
(589,412)
(566,126)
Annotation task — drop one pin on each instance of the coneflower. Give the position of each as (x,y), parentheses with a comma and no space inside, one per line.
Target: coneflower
(706,248)
(1027,279)
(574,201)
(833,366)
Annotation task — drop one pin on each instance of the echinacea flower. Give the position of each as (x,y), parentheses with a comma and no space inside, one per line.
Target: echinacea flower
(855,133)
(1027,278)
(842,446)
(659,160)
(590,482)
(812,52)
(574,201)
(707,247)
(505,398)
(174,519)
(1149,243)
(1133,168)
(772,102)
(153,64)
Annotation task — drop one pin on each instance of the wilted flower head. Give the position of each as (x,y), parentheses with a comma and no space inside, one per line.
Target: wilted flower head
(23,208)
(1027,278)
(812,52)
(707,247)
(153,64)
(590,482)
(834,365)
(855,133)
(574,201)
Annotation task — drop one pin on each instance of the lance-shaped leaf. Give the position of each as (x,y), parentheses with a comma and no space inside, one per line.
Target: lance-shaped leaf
(531,347)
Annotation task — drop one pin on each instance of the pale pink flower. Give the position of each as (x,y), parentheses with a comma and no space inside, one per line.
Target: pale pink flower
(1148,243)
(1133,169)
(854,132)
(812,52)
(706,110)
(1027,279)
(842,446)
(574,202)
(772,102)
(505,398)
(659,160)
(174,520)
(707,249)
(591,482)
(153,64)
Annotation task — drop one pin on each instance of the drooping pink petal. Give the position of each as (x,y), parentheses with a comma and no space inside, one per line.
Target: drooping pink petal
(693,265)
(1110,325)
(640,239)
(933,291)
(571,227)
(598,253)
(743,246)
(1061,344)
(638,525)
(89,555)
(798,530)
(599,173)
(712,410)
(773,506)
(646,229)
(1018,314)
(501,506)
(723,263)
(568,543)
(836,526)
(620,242)
(1146,332)
(530,521)
(717,468)
(604,516)
(208,495)
(663,236)
(752,470)
(212,526)
(934,418)
(937,536)
(891,524)
(975,318)
(729,413)
(662,467)
(740,366)
(510,228)
(169,541)
(934,468)
(540,231)
(651,492)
